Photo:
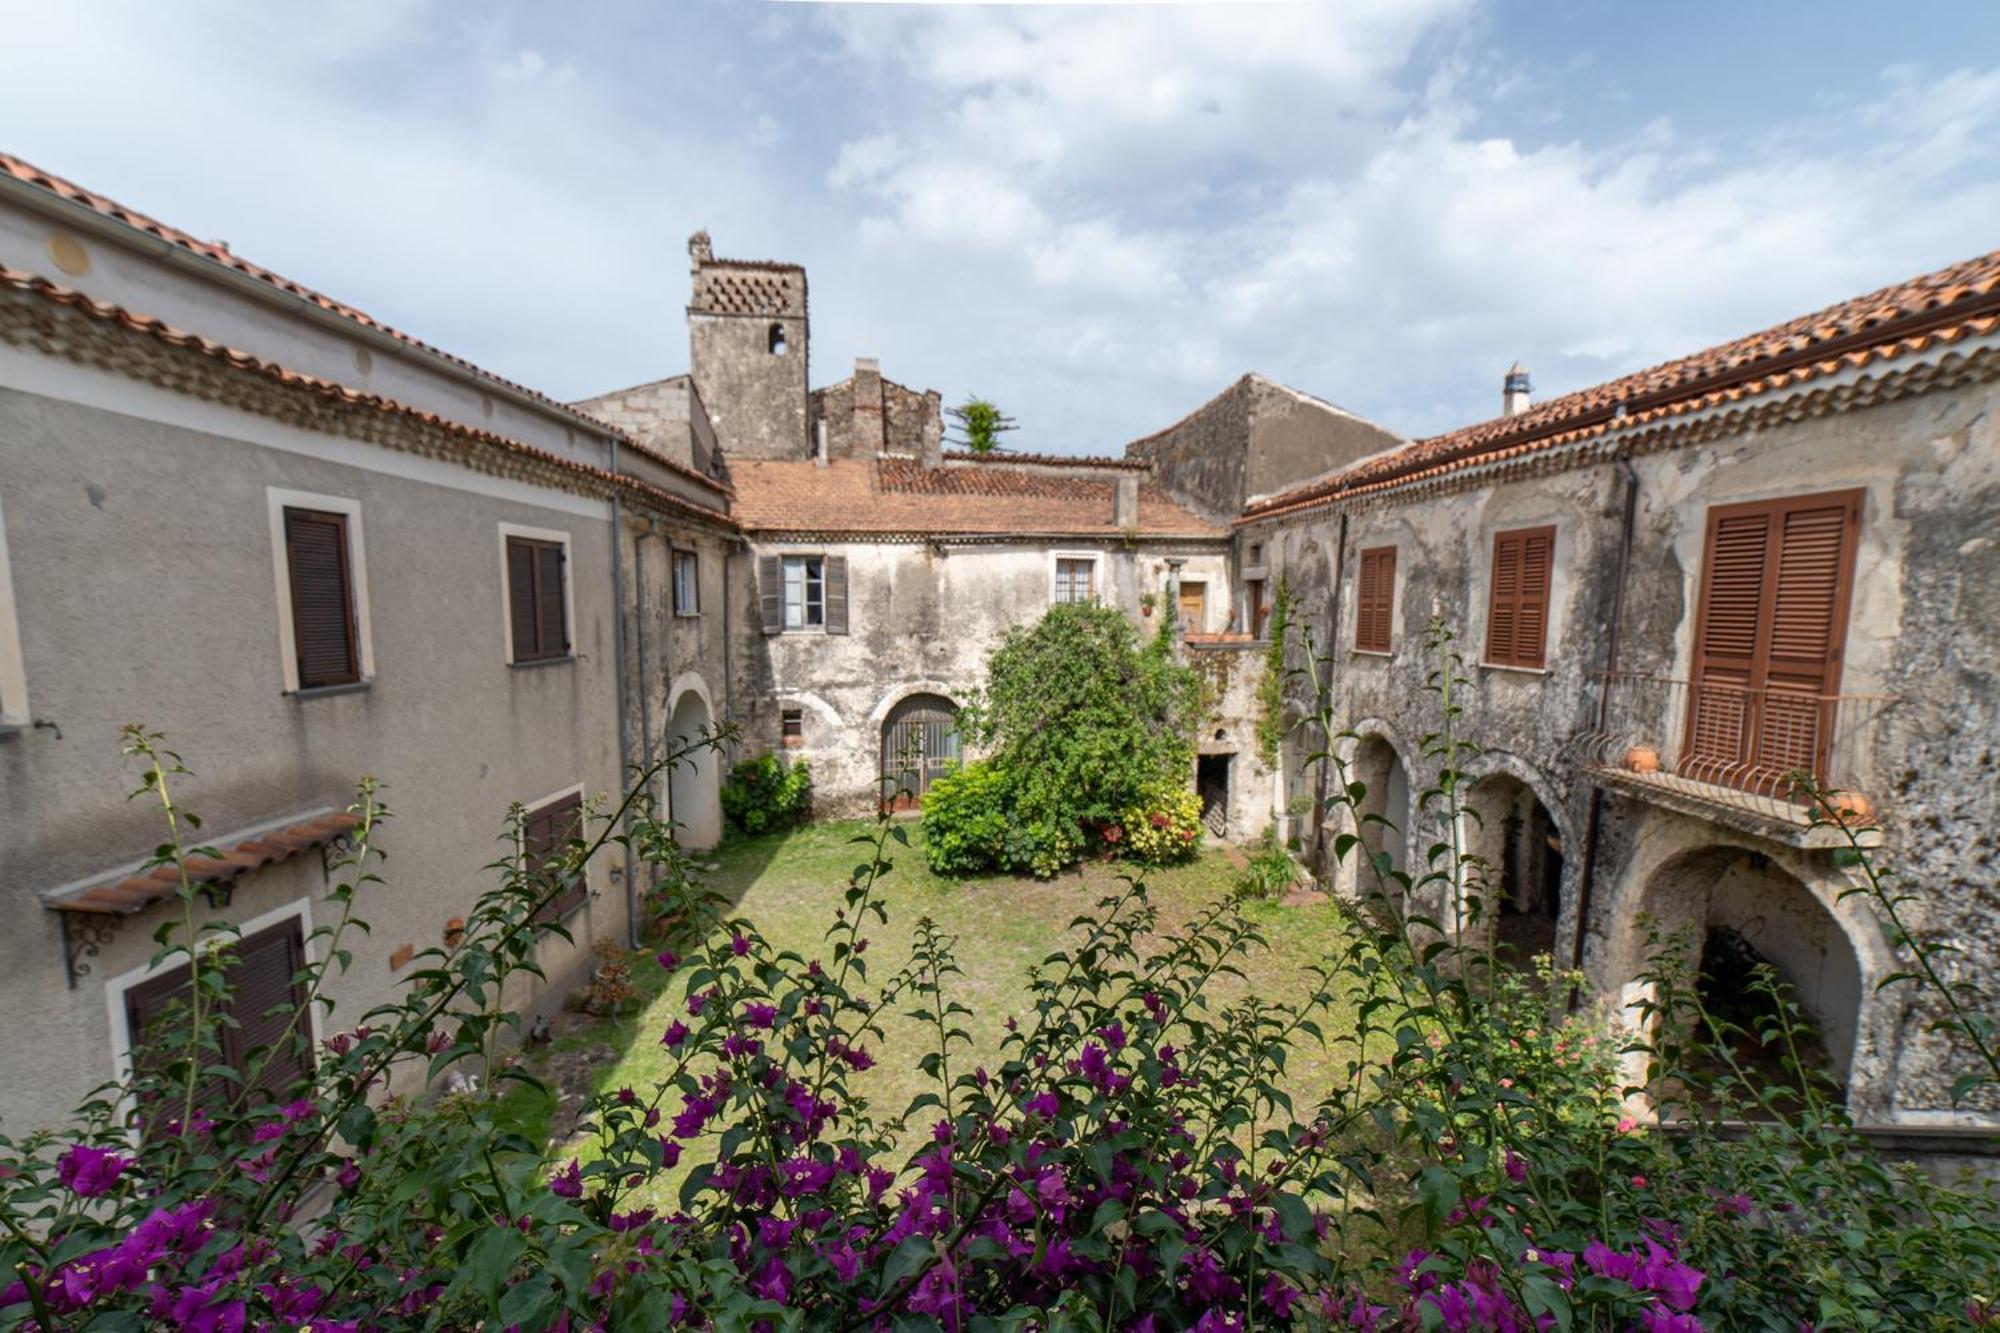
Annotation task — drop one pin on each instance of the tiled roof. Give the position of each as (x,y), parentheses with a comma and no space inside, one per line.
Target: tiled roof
(893,496)
(160,331)
(1937,308)
(1003,456)
(30,174)
(124,892)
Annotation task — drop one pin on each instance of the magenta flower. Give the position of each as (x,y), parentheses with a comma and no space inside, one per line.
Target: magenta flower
(668,959)
(739,945)
(568,1182)
(761,1015)
(89,1172)
(677,1032)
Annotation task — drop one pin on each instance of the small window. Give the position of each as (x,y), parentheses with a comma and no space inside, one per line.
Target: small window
(1076,579)
(537,598)
(1254,609)
(1256,554)
(546,832)
(805,592)
(1375,600)
(321,570)
(792,726)
(687,583)
(1517,615)
(777,340)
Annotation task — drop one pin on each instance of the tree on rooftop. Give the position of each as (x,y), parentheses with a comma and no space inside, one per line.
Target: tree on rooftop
(981,424)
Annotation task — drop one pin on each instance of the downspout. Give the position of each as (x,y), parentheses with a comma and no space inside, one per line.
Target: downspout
(1586,878)
(645,678)
(624,722)
(1323,675)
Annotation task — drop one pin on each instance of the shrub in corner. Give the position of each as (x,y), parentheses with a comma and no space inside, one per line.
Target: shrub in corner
(966,818)
(1163,828)
(766,794)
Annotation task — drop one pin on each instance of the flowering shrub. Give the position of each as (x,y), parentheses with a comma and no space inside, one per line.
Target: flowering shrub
(1133,1157)
(966,820)
(766,794)
(1163,828)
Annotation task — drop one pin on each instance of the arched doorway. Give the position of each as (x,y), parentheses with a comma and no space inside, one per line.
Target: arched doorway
(1382,818)
(694,795)
(1521,847)
(1739,908)
(919,745)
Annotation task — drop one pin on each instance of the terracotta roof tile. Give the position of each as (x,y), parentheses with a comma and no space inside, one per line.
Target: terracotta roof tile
(30,174)
(894,496)
(122,893)
(160,331)
(1003,456)
(1942,307)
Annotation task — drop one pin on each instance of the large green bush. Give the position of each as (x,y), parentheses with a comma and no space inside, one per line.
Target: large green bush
(766,794)
(966,818)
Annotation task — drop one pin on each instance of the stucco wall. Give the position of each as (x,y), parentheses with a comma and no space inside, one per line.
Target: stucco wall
(1921,629)
(143,559)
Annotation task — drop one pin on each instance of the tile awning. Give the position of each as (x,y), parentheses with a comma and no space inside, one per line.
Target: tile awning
(132,889)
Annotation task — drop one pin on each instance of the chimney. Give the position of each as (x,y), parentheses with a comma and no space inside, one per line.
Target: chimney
(870,434)
(1514,391)
(933,432)
(1125,503)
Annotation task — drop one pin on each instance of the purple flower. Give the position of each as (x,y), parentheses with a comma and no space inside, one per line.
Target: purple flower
(677,1032)
(1043,1104)
(1517,1168)
(1279,1296)
(90,1172)
(1113,1035)
(668,959)
(568,1182)
(761,1015)
(739,945)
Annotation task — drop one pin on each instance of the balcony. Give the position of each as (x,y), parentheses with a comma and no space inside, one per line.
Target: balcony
(1727,752)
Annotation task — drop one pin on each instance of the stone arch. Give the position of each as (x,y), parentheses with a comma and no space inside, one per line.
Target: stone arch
(694,786)
(1376,760)
(1825,950)
(919,743)
(897,693)
(1510,823)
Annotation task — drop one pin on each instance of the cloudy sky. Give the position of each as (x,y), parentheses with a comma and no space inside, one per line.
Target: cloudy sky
(1096,216)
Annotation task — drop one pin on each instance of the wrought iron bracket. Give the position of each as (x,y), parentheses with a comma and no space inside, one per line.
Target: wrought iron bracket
(83,935)
(332,852)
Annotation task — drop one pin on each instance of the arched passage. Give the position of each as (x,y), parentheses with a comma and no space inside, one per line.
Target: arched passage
(1382,815)
(1739,908)
(919,745)
(1517,839)
(694,794)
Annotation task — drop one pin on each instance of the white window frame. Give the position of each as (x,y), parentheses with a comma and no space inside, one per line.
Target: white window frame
(785,602)
(1096,559)
(115,987)
(279,500)
(694,586)
(562,539)
(14,710)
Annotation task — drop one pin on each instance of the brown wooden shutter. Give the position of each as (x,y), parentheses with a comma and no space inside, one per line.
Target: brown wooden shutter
(1517,617)
(836,594)
(1374,600)
(322,598)
(1771,627)
(545,837)
(771,593)
(266,995)
(537,599)
(551,601)
(521,597)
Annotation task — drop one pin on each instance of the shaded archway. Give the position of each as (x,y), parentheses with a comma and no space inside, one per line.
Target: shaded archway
(1519,846)
(694,794)
(1737,907)
(1382,819)
(919,745)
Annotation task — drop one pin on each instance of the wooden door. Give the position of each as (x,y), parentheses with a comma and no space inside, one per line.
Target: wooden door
(1194,606)
(1777,578)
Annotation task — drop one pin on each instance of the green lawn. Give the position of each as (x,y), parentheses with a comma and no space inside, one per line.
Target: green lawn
(790,885)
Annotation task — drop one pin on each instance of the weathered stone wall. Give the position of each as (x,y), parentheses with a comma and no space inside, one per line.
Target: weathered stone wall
(664,415)
(912,420)
(748,338)
(923,619)
(1921,629)
(1201,460)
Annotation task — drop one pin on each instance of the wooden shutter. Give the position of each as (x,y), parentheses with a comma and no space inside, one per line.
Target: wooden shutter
(836,594)
(322,598)
(521,597)
(545,836)
(266,995)
(551,601)
(1517,617)
(1374,600)
(537,599)
(1771,626)
(771,593)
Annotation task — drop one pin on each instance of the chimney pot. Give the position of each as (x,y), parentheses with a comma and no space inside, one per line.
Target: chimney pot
(1125,503)
(1515,391)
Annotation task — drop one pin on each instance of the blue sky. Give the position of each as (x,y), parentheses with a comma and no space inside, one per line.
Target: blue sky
(1096,215)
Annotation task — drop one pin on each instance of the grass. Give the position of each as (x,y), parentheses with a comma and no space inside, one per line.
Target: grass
(790,884)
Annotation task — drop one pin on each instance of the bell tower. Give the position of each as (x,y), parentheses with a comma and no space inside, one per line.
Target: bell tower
(747,340)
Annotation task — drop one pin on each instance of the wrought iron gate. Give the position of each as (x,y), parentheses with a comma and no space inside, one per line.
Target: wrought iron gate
(919,744)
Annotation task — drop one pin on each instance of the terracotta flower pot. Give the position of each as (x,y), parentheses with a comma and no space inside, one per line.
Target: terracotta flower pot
(1642,759)
(1852,807)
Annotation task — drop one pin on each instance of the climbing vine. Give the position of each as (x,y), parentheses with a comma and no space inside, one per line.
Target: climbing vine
(1271,689)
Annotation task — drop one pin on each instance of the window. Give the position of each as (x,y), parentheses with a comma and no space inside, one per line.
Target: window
(1517,615)
(13,669)
(537,595)
(1254,608)
(322,586)
(1076,579)
(1375,599)
(777,340)
(687,583)
(803,593)
(1255,556)
(266,1036)
(546,831)
(792,726)
(1193,609)
(319,558)
(1771,627)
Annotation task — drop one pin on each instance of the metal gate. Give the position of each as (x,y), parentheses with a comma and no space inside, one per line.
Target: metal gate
(919,744)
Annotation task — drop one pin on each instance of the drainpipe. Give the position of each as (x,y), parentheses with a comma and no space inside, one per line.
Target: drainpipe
(1323,674)
(1586,877)
(645,677)
(624,723)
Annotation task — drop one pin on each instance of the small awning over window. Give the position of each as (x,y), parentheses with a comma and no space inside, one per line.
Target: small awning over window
(123,892)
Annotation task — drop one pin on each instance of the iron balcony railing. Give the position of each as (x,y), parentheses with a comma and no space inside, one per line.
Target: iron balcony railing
(1733,745)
